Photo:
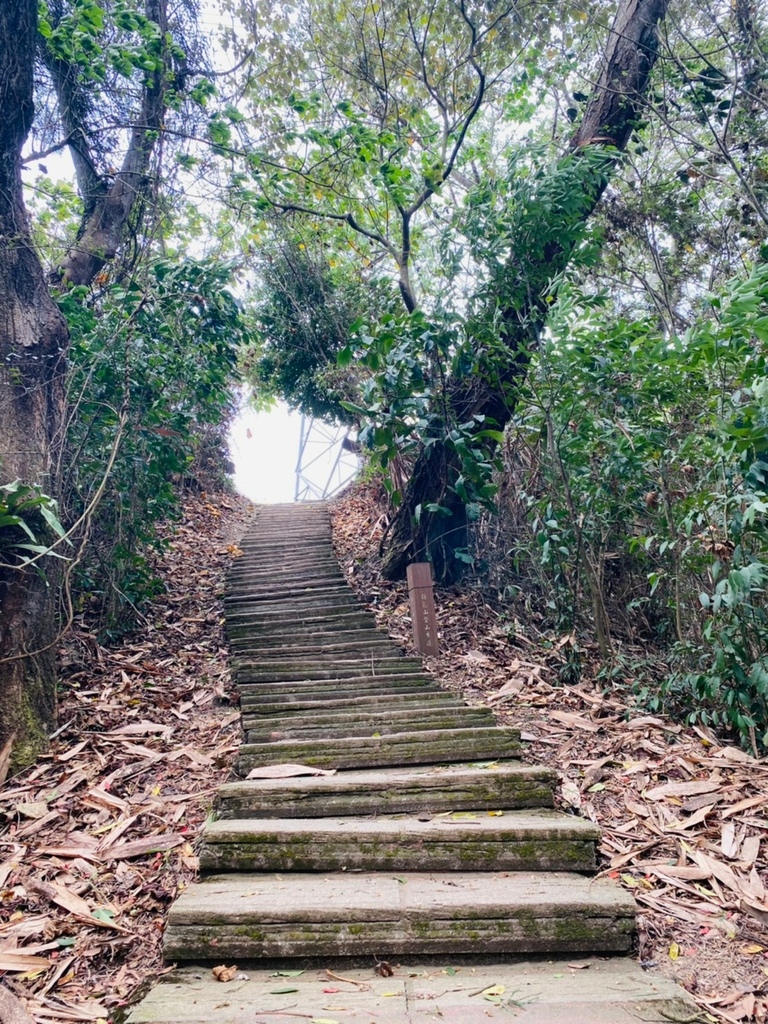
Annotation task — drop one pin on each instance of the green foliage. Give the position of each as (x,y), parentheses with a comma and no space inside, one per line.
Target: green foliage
(154,364)
(306,306)
(647,492)
(28,518)
(101,38)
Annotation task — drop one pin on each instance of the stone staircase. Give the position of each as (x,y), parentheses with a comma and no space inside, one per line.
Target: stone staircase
(431,839)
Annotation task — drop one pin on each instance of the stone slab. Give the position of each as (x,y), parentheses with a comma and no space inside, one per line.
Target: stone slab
(389,790)
(266,692)
(538,840)
(361,703)
(612,991)
(445,746)
(250,916)
(259,729)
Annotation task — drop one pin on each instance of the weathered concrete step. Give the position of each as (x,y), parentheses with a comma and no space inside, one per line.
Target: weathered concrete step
(248,916)
(317,669)
(321,589)
(332,614)
(341,639)
(309,648)
(301,707)
(501,786)
(256,730)
(277,626)
(439,746)
(613,991)
(260,572)
(540,840)
(334,689)
(344,602)
(256,583)
(369,719)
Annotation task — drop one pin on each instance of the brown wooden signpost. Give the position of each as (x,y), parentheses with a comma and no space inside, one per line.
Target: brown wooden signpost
(422,600)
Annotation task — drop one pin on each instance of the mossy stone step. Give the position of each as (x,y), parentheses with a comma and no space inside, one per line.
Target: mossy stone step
(437,746)
(343,602)
(361,707)
(538,840)
(322,589)
(500,786)
(277,626)
(272,582)
(258,729)
(339,638)
(287,672)
(328,649)
(239,917)
(333,689)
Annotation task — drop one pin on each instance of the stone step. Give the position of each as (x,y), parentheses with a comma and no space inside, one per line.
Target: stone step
(388,702)
(277,626)
(321,589)
(344,602)
(258,730)
(604,991)
(260,618)
(538,840)
(438,746)
(295,691)
(259,573)
(364,639)
(318,669)
(360,649)
(312,578)
(501,786)
(367,719)
(248,916)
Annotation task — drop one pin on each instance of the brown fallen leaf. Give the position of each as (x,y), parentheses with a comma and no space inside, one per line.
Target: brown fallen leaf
(224,973)
(683,788)
(287,771)
(576,721)
(141,847)
(21,962)
(579,967)
(69,901)
(5,758)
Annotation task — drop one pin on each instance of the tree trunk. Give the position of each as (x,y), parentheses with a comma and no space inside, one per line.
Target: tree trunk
(33,340)
(110,207)
(609,119)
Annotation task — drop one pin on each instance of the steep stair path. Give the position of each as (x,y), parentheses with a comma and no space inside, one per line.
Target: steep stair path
(431,850)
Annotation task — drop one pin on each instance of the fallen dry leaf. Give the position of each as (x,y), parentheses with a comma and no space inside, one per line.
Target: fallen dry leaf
(224,973)
(287,771)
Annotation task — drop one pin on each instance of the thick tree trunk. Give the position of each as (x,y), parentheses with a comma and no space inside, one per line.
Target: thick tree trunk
(608,121)
(33,340)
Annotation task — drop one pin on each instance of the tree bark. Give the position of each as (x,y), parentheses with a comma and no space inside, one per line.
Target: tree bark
(33,341)
(608,122)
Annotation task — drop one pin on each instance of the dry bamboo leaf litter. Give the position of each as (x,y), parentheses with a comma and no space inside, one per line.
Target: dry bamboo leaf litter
(99,837)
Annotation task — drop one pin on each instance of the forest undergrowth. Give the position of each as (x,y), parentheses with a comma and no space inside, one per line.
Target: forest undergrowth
(682,811)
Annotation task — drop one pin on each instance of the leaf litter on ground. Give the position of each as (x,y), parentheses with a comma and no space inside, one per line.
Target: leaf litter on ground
(98,838)
(681,810)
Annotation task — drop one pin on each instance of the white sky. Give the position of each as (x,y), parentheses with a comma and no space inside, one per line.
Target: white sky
(264,448)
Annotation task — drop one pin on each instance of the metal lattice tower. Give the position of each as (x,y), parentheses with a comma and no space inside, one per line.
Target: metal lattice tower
(327,460)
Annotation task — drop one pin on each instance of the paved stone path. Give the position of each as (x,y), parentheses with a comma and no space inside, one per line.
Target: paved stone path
(430,841)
